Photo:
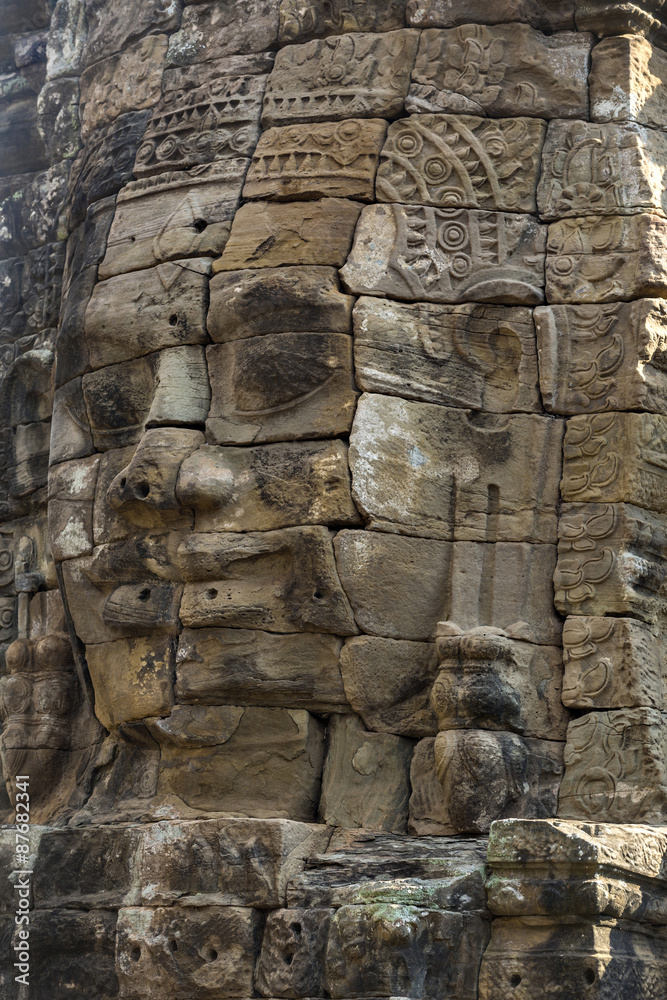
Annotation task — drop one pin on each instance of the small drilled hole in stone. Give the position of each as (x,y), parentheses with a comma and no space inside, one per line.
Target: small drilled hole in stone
(514,981)
(211,593)
(173,319)
(123,483)
(144,594)
(143,489)
(135,954)
(211,955)
(318,595)
(589,976)
(199,225)
(296,927)
(173,945)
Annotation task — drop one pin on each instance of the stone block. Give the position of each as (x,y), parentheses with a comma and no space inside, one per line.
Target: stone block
(110,29)
(464,780)
(271,486)
(388,683)
(398,950)
(132,678)
(642,17)
(549,15)
(284,581)
(397,586)
(277,300)
(68,946)
(338,159)
(510,69)
(263,762)
(613,663)
(476,356)
(596,259)
(265,234)
(300,21)
(433,255)
(291,963)
(611,562)
(30,289)
(603,357)
(288,386)
(108,524)
(615,767)
(624,174)
(217,666)
(356,75)
(489,681)
(70,428)
(66,39)
(128,81)
(32,212)
(207,952)
(366,780)
(22,148)
(209,31)
(70,528)
(571,957)
(428,470)
(58,118)
(24,15)
(616,457)
(461,161)
(627,81)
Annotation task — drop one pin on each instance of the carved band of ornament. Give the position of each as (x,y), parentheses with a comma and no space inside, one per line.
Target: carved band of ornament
(206,114)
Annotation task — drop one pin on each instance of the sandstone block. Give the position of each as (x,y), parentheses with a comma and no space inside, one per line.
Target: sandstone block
(447,473)
(626,81)
(612,663)
(111,28)
(209,31)
(128,81)
(277,300)
(623,175)
(510,69)
(21,16)
(394,949)
(476,356)
(356,75)
(570,957)
(462,161)
(433,255)
(489,681)
(315,161)
(291,962)
(397,586)
(132,678)
(30,289)
(58,118)
(71,437)
(615,767)
(216,666)
(264,762)
(603,357)
(464,780)
(388,683)
(272,486)
(552,15)
(108,524)
(611,562)
(88,868)
(174,215)
(268,234)
(301,21)
(69,946)
(70,528)
(133,314)
(366,780)
(283,580)
(23,148)
(284,387)
(643,17)
(595,259)
(178,951)
(32,210)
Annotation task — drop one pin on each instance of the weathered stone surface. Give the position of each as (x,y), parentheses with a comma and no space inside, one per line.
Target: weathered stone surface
(561,959)
(181,952)
(277,300)
(447,473)
(601,170)
(58,118)
(68,946)
(552,15)
(24,465)
(133,679)
(218,666)
(476,356)
(71,495)
(174,215)
(111,28)
(388,683)
(168,388)
(489,681)
(603,357)
(291,962)
(642,17)
(315,161)
(386,950)
(30,288)
(627,81)
(272,486)
(357,75)
(434,255)
(453,161)
(464,780)
(291,386)
(595,259)
(366,780)
(506,70)
(33,211)
(66,39)
(268,235)
(301,20)
(615,767)
(21,145)
(210,31)
(70,428)
(124,82)
(24,15)
(282,580)
(611,561)
(612,663)
(249,761)
(25,385)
